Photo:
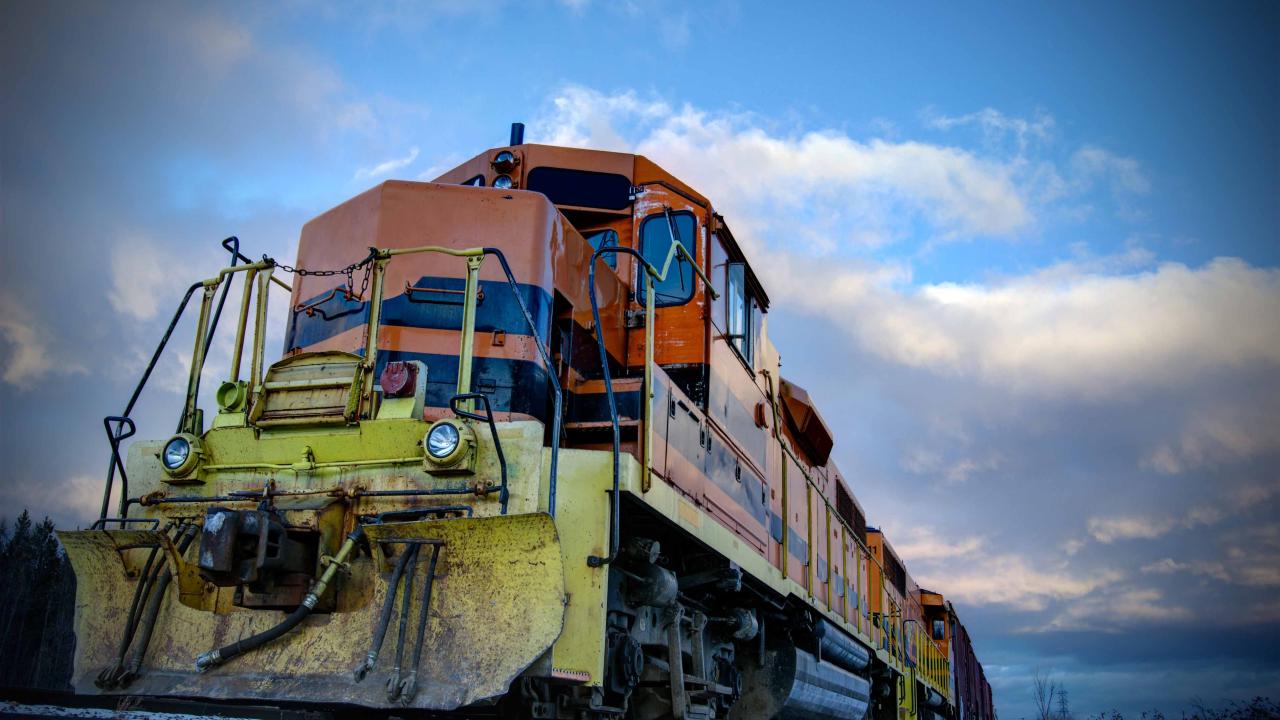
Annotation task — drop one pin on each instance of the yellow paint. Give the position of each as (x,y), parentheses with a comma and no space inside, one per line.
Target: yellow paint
(690,515)
(497,605)
(582,516)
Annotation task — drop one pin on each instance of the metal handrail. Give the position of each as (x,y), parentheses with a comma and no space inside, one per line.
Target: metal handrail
(232,245)
(650,275)
(455,406)
(557,412)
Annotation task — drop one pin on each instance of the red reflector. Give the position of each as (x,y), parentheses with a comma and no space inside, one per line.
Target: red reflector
(398,379)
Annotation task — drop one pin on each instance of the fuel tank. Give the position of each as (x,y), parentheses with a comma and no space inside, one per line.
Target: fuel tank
(792,684)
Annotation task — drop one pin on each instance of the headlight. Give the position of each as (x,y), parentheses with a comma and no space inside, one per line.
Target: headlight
(443,440)
(176,453)
(181,454)
(502,182)
(450,447)
(505,161)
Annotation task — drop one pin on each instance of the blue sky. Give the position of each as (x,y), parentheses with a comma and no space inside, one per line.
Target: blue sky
(1039,244)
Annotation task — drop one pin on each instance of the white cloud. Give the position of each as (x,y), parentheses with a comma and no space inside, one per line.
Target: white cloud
(1169,566)
(1063,331)
(1111,529)
(1115,610)
(143,274)
(27,346)
(1123,174)
(387,167)
(807,204)
(964,569)
(921,543)
(1129,527)
(1219,435)
(1013,580)
(929,463)
(996,126)
(27,357)
(809,189)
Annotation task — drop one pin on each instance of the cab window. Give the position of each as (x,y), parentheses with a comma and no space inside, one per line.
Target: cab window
(655,243)
(939,630)
(605,238)
(738,312)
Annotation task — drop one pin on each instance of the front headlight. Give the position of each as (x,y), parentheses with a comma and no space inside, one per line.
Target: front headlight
(180,454)
(450,447)
(443,440)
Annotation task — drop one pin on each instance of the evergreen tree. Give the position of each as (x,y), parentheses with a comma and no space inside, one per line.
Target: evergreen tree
(36,635)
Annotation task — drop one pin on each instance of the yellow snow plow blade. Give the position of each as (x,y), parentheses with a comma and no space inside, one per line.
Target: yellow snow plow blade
(496,605)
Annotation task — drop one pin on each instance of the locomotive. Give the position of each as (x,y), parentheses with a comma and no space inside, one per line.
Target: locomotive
(527,453)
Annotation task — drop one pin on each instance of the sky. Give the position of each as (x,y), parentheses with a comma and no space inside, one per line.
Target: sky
(1026,255)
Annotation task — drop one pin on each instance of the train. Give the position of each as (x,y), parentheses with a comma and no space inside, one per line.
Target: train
(527,453)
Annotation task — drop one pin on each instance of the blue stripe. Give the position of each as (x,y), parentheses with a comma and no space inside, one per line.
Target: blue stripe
(517,386)
(498,311)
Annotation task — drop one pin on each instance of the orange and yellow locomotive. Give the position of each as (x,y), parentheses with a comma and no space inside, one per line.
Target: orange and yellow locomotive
(527,453)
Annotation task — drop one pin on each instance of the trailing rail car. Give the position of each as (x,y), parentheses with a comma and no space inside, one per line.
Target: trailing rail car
(527,453)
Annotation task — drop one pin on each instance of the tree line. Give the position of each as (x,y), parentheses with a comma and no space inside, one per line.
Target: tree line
(37,606)
(1053,703)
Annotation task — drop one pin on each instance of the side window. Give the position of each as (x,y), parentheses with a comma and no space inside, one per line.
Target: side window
(738,310)
(605,238)
(939,630)
(655,243)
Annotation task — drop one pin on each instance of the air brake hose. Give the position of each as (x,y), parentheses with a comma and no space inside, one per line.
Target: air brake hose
(388,604)
(153,606)
(214,658)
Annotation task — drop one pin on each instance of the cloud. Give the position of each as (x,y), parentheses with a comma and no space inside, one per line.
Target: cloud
(966,569)
(815,188)
(1111,529)
(27,345)
(997,126)
(1012,580)
(1115,610)
(27,357)
(387,167)
(144,274)
(1061,330)
(1169,566)
(929,463)
(1240,500)
(809,203)
(1123,174)
(922,543)
(1219,435)
(69,501)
